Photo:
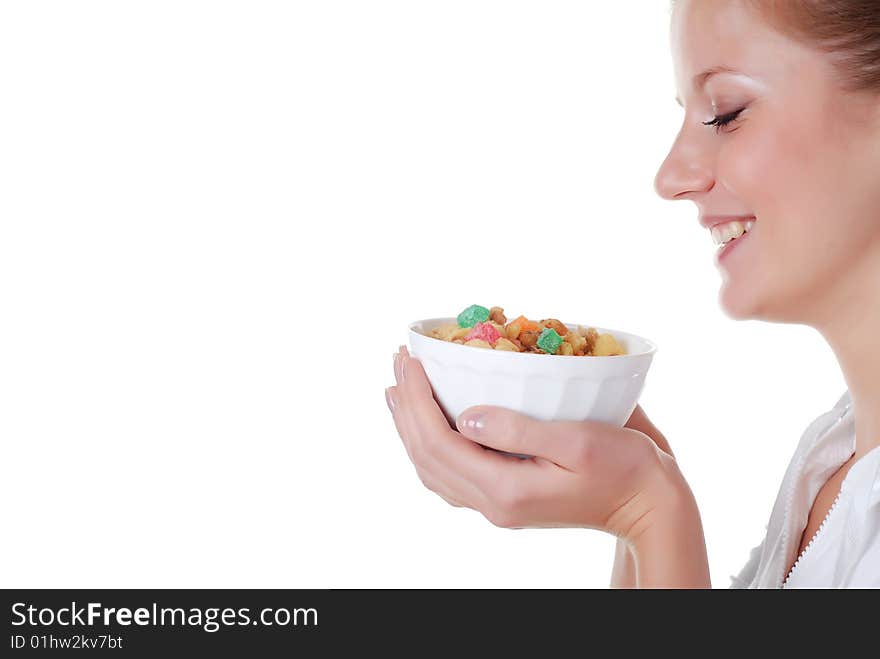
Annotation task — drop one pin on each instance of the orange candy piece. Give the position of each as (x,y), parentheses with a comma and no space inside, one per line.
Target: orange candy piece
(525,325)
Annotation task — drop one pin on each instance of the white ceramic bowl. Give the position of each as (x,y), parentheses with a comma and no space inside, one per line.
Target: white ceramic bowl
(546,387)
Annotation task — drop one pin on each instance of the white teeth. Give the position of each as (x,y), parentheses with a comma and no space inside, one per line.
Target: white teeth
(726,232)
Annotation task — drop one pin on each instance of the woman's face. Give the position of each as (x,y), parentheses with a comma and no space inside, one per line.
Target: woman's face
(802,159)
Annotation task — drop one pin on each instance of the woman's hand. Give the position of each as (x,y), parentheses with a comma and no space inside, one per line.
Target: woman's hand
(638,420)
(623,571)
(586,474)
(583,474)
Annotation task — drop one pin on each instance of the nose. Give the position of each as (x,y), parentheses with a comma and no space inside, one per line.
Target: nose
(687,169)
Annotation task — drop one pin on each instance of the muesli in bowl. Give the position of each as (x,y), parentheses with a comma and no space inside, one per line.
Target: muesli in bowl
(525,378)
(482,327)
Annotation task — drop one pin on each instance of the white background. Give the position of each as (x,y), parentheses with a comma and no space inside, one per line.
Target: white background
(218,219)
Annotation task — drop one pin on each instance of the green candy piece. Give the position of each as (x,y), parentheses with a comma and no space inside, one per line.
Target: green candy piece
(472,315)
(549,341)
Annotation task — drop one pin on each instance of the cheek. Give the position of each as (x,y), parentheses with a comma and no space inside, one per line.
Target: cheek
(817,192)
(767,175)
(815,199)
(770,171)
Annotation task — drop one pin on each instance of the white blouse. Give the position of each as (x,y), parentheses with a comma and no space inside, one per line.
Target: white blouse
(845,551)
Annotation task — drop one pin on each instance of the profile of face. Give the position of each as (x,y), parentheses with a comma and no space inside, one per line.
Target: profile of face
(798,154)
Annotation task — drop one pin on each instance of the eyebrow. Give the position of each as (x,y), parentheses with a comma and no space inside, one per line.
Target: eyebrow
(700,80)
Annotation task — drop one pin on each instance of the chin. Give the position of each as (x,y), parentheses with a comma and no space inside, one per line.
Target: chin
(752,304)
(738,304)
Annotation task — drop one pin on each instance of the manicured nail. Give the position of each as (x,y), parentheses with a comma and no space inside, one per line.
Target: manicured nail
(389,399)
(472,423)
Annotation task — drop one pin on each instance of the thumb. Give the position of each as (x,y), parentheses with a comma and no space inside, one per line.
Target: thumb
(561,442)
(638,420)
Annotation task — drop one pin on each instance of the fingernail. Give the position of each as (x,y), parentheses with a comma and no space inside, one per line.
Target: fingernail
(472,423)
(389,399)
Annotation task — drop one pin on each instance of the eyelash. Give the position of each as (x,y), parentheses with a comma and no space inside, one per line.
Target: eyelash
(723,120)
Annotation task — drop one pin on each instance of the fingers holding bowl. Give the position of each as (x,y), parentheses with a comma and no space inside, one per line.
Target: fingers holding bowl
(447,463)
(638,420)
(564,443)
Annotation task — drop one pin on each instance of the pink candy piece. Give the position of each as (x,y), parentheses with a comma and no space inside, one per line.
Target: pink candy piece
(485,331)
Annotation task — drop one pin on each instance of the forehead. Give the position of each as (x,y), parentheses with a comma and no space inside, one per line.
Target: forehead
(729,34)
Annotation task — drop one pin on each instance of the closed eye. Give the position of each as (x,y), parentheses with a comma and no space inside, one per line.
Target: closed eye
(723,119)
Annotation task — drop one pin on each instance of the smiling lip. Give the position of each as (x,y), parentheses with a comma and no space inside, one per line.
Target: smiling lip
(723,252)
(714,220)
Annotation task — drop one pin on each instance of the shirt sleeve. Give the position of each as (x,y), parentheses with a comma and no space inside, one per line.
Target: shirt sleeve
(747,574)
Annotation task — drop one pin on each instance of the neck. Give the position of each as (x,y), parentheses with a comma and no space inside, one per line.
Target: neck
(852,328)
